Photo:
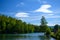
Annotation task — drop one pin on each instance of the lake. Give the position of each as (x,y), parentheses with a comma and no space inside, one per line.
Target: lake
(29,36)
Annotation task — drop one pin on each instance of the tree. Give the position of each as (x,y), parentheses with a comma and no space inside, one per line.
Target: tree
(43,21)
(13,25)
(43,25)
(56,28)
(58,34)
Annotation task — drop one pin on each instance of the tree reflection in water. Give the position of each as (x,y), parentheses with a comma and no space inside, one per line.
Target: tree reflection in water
(24,37)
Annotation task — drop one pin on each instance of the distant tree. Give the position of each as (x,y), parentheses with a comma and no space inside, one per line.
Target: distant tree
(43,25)
(56,28)
(43,21)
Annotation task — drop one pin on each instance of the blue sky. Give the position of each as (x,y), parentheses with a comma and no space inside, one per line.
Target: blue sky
(31,11)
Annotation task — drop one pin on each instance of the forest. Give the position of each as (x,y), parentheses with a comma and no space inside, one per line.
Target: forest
(9,25)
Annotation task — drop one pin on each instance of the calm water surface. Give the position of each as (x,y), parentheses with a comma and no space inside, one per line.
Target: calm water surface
(30,36)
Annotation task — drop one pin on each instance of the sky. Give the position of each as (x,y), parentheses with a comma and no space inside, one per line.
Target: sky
(31,11)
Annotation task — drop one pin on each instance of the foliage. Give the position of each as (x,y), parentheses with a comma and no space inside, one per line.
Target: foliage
(56,33)
(43,25)
(43,21)
(12,25)
(56,28)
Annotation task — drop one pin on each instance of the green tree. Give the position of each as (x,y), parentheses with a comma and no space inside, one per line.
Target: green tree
(56,28)
(43,25)
(43,21)
(13,25)
(58,34)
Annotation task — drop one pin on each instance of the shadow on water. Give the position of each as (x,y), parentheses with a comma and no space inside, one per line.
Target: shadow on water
(10,36)
(46,38)
(31,36)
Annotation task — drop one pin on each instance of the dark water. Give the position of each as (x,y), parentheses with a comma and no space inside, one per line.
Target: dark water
(30,36)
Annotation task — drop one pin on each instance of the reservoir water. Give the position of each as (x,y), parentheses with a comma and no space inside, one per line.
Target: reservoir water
(29,36)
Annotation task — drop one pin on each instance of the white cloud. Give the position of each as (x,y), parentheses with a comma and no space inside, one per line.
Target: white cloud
(50,24)
(38,17)
(21,14)
(47,14)
(52,16)
(54,22)
(44,9)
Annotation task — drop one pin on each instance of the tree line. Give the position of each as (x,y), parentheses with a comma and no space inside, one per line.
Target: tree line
(13,25)
(10,25)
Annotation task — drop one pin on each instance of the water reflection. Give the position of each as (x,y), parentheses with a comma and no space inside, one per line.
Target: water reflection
(31,36)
